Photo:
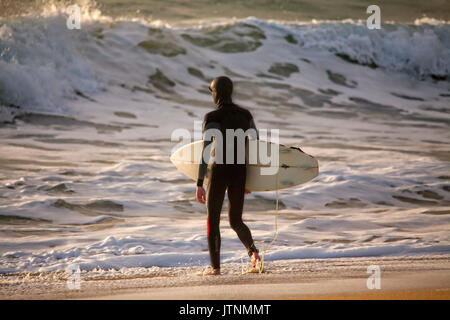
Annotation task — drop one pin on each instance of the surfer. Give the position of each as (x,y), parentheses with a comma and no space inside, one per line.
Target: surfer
(222,177)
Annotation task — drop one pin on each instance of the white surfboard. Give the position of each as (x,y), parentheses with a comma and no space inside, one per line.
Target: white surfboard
(295,167)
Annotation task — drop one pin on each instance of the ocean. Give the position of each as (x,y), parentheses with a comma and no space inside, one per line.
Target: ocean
(87,116)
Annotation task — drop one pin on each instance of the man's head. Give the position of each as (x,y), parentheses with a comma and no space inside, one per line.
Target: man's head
(221,89)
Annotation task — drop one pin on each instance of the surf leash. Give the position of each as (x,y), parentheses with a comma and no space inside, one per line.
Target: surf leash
(265,249)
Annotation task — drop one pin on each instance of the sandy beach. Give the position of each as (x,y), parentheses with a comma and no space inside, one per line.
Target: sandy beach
(419,277)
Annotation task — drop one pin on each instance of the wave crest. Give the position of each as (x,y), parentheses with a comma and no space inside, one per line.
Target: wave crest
(43,64)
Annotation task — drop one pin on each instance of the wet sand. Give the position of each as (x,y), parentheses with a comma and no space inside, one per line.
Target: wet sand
(396,286)
(414,277)
(430,294)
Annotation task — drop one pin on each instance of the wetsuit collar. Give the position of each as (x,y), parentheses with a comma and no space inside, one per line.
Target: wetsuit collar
(224,104)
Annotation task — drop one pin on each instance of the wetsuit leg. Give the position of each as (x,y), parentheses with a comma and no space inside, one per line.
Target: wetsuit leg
(214,201)
(236,193)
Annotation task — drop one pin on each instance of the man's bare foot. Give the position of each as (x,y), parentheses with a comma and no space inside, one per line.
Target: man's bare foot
(255,258)
(210,271)
(256,264)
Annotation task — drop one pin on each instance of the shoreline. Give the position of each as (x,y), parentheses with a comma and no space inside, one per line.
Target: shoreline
(411,277)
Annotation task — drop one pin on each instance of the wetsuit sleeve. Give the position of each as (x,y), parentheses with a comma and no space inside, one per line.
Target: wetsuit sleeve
(205,157)
(253,126)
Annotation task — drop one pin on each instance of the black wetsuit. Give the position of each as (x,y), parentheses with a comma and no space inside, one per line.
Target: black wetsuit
(226,177)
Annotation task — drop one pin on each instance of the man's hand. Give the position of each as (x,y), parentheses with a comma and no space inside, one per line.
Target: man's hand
(201,195)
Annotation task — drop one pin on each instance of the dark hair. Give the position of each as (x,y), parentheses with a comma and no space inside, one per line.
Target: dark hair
(222,89)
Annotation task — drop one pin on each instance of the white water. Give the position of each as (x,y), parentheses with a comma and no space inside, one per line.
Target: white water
(94,186)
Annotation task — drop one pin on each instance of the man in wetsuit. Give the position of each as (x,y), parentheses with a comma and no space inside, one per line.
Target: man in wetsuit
(225,176)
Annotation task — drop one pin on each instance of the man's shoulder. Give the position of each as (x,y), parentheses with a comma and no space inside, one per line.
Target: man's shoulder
(244,111)
(212,116)
(216,115)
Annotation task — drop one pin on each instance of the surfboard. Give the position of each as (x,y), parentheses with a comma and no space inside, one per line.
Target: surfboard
(295,166)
